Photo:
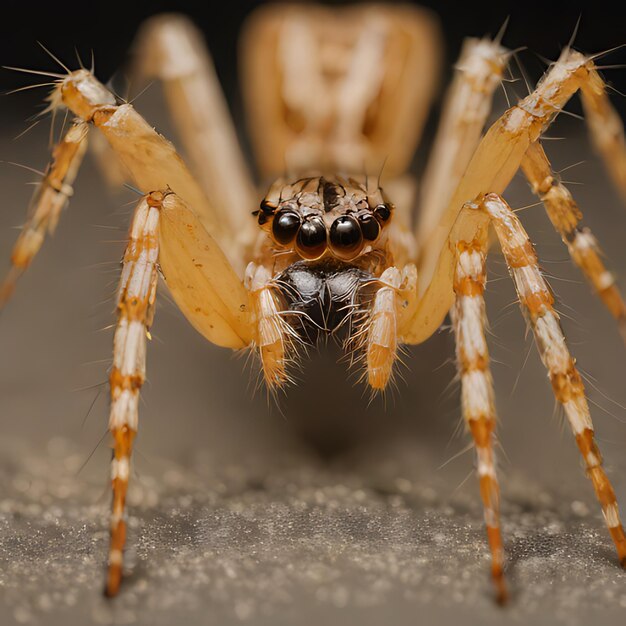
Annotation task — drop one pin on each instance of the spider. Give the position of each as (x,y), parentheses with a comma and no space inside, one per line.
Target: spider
(331,94)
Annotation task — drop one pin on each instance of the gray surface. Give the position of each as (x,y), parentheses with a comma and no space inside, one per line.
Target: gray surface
(291,541)
(333,509)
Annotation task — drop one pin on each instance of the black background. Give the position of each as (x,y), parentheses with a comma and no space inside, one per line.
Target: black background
(108,28)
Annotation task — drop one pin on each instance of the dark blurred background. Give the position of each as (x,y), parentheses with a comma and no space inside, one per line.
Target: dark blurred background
(55,336)
(108,29)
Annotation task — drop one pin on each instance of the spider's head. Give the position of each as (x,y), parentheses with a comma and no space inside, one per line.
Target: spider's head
(317,216)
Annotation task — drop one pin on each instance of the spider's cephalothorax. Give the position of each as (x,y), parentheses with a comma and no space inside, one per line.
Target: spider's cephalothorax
(318,216)
(326,242)
(336,90)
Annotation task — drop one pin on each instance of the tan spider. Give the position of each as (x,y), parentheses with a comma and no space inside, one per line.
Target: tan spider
(331,94)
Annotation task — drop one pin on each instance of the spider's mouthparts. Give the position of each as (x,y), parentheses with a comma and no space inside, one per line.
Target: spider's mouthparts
(324,298)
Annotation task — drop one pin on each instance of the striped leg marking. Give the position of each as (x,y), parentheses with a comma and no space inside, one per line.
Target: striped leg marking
(51,197)
(274,336)
(566,216)
(135,312)
(606,127)
(468,102)
(382,333)
(469,317)
(537,303)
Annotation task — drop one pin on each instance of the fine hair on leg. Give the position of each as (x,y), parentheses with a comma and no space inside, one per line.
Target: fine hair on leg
(537,303)
(468,102)
(566,216)
(477,394)
(135,312)
(51,197)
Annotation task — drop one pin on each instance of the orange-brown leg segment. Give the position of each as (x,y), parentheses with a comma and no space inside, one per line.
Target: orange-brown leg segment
(607,128)
(382,333)
(477,394)
(135,311)
(566,216)
(50,199)
(537,303)
(492,166)
(169,47)
(274,336)
(468,102)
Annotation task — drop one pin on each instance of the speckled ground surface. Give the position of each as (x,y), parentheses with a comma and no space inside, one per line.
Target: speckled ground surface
(292,541)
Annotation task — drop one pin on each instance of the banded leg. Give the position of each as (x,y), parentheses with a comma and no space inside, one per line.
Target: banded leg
(478,72)
(382,332)
(537,303)
(150,159)
(170,48)
(492,166)
(477,396)
(51,197)
(607,129)
(135,312)
(566,216)
(273,335)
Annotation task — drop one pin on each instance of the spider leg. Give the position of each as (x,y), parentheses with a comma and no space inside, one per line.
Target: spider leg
(493,165)
(164,234)
(469,319)
(135,312)
(274,336)
(151,160)
(51,197)
(170,48)
(382,336)
(607,129)
(200,277)
(477,395)
(111,168)
(581,244)
(468,102)
(537,303)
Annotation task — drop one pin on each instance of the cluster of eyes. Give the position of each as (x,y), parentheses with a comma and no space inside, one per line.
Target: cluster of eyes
(346,237)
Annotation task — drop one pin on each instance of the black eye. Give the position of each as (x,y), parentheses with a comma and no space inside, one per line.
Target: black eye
(311,241)
(383,212)
(369,226)
(345,236)
(285,226)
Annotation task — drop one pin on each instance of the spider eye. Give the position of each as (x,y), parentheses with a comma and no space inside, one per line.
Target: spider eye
(285,226)
(311,241)
(383,212)
(346,236)
(369,226)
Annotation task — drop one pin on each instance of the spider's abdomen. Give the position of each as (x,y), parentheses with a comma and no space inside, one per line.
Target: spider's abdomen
(327,297)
